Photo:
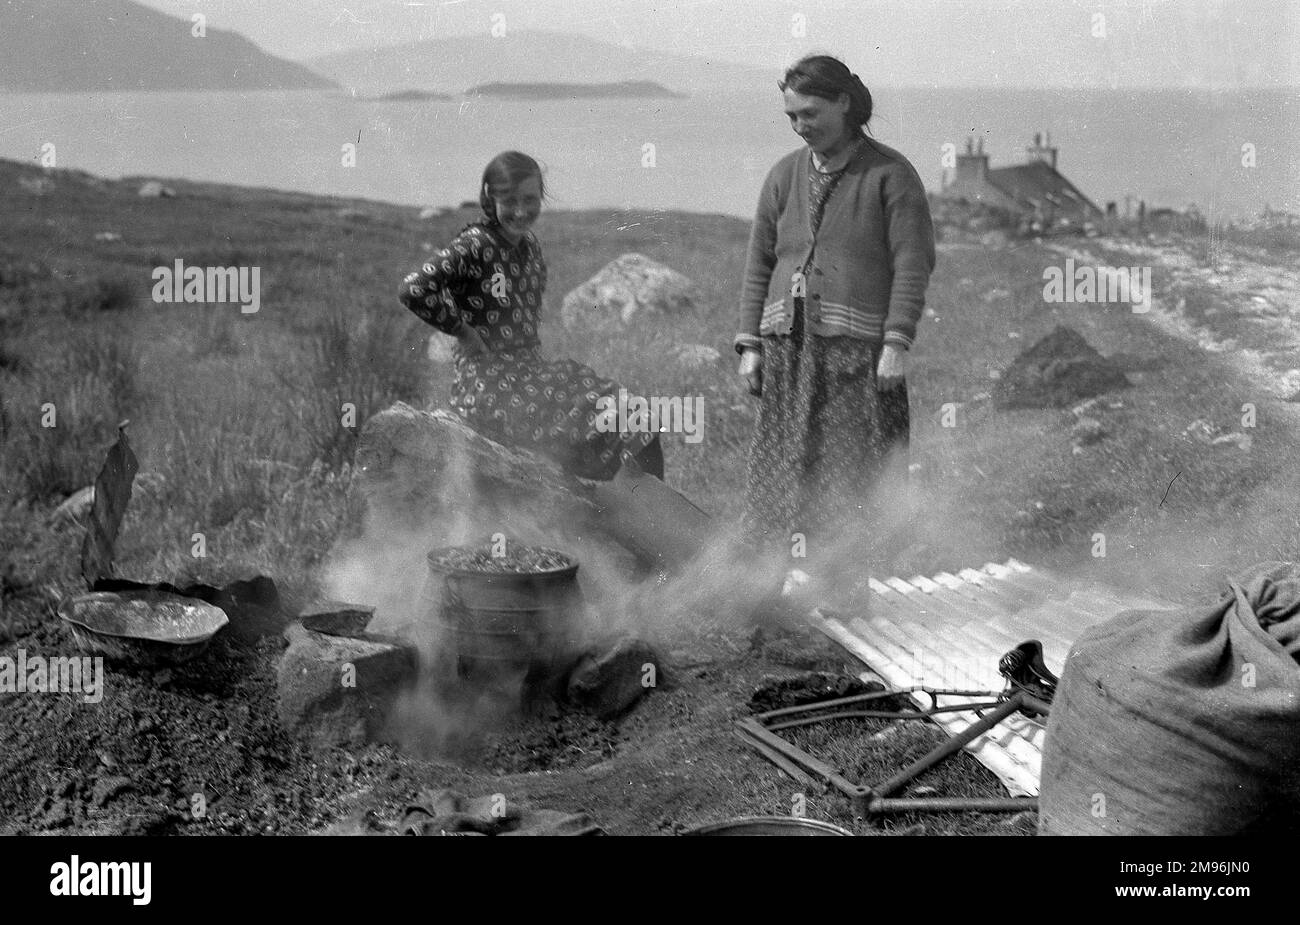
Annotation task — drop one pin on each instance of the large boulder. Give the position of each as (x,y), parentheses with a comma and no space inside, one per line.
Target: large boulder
(340,691)
(631,287)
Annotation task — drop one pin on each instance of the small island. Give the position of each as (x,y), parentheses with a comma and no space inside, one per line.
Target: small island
(411,96)
(623,89)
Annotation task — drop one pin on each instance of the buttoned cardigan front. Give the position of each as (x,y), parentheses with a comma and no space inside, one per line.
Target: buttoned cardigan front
(863,275)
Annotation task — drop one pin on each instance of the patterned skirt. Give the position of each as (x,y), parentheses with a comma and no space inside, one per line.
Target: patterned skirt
(824,439)
(520,399)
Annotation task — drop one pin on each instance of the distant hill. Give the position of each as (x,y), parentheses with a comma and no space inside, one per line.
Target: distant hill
(565,91)
(521,57)
(99,45)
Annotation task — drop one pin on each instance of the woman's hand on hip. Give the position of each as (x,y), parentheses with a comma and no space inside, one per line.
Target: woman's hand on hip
(472,341)
(751,370)
(891,372)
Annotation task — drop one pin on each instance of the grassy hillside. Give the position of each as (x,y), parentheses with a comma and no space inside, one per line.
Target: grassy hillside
(236,420)
(236,417)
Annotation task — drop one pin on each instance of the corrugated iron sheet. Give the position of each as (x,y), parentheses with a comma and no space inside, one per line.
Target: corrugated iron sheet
(949,631)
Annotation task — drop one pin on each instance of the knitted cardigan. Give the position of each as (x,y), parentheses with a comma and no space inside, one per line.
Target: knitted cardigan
(870,261)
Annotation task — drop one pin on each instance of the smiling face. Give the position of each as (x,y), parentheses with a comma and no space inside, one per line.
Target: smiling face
(518,207)
(821,123)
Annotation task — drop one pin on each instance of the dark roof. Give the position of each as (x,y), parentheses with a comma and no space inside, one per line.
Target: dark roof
(1037,181)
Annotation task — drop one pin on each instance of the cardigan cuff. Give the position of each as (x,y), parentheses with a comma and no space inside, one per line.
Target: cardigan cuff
(898,339)
(745,342)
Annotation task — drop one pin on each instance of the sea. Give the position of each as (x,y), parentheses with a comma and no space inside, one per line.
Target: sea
(1229,152)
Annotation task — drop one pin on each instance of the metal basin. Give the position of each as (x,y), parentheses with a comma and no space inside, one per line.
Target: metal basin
(146,628)
(769,825)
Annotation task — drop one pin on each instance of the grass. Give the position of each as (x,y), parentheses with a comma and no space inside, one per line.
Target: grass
(242,429)
(230,411)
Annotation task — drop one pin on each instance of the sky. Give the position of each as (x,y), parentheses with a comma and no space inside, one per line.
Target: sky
(1030,43)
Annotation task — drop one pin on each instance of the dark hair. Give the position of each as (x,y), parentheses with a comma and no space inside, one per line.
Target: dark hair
(827,77)
(508,169)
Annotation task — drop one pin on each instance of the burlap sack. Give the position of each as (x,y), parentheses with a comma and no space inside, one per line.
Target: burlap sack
(1181,722)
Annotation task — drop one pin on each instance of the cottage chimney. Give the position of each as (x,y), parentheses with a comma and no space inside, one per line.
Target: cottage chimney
(973,166)
(1042,150)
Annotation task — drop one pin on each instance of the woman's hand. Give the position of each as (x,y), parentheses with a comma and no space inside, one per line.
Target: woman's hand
(472,341)
(891,372)
(751,369)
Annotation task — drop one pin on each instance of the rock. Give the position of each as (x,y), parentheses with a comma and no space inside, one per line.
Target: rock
(693,356)
(336,618)
(1058,371)
(406,459)
(1242,441)
(429,212)
(609,684)
(338,691)
(152,189)
(107,236)
(108,787)
(631,287)
(1088,431)
(254,608)
(1201,430)
(75,508)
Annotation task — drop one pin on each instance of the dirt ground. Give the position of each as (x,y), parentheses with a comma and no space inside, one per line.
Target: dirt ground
(199,750)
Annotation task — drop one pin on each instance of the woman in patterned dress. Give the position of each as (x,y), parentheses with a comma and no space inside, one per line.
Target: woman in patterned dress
(839,258)
(485,289)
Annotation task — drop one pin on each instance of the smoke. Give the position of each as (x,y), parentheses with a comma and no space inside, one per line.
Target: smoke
(903,526)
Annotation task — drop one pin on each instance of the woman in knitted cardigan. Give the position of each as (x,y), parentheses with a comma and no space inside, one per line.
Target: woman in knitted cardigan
(840,255)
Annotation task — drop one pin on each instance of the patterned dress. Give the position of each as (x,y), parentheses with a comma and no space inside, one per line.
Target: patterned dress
(512,394)
(824,435)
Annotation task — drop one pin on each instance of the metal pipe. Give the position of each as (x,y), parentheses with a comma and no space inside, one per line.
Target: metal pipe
(1031,702)
(879,714)
(878,695)
(772,755)
(953,805)
(950,747)
(820,768)
(825,704)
